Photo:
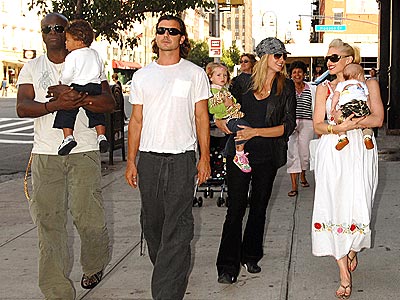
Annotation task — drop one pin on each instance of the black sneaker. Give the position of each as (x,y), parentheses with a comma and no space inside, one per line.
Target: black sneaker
(225,278)
(104,145)
(252,267)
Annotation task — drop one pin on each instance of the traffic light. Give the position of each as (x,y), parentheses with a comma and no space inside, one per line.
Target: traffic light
(298,24)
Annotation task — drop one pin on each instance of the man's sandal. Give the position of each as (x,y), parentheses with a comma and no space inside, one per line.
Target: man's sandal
(89,282)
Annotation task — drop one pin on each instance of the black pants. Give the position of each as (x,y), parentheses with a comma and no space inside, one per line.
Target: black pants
(67,118)
(233,249)
(166,184)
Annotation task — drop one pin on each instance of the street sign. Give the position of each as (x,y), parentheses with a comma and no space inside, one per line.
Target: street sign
(330,28)
(215,46)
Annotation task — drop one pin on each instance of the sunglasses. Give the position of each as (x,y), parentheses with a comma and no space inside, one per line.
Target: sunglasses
(244,61)
(56,28)
(278,56)
(171,31)
(335,57)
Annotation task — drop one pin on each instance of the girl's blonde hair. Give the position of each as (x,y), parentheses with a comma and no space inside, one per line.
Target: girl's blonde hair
(210,69)
(259,75)
(347,49)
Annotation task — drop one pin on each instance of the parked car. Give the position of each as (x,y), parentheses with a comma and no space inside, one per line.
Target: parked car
(126,88)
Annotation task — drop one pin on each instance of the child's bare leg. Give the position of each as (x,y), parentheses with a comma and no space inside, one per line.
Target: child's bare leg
(100,129)
(67,132)
(241,160)
(343,141)
(104,145)
(240,148)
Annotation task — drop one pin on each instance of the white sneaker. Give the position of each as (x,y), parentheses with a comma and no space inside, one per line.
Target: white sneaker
(104,145)
(67,145)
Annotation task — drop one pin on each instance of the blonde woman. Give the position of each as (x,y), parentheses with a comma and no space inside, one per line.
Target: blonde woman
(345,181)
(270,109)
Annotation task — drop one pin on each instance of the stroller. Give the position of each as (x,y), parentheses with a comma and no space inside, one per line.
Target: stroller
(218,171)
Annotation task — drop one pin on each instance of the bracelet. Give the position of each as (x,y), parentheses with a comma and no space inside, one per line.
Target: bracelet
(45,107)
(340,119)
(330,128)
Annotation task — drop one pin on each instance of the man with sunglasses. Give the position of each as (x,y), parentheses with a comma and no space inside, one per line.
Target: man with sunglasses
(60,182)
(169,117)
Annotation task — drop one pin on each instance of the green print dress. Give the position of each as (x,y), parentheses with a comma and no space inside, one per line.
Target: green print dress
(345,186)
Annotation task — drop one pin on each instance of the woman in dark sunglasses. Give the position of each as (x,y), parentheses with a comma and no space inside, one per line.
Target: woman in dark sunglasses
(270,108)
(241,83)
(343,194)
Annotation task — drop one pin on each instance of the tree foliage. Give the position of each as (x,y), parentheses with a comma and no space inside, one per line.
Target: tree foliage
(231,57)
(111,17)
(199,53)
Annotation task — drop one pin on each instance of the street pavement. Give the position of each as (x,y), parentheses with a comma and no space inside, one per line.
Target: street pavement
(289,271)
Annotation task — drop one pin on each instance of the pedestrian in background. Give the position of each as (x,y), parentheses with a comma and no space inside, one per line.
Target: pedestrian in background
(117,91)
(373,74)
(169,115)
(62,183)
(298,155)
(345,181)
(4,87)
(270,108)
(241,83)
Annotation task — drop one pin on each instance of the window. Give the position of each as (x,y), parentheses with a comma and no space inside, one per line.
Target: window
(337,18)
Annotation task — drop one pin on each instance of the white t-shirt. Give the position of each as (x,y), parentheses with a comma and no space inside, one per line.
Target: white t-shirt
(168,95)
(42,73)
(357,90)
(82,66)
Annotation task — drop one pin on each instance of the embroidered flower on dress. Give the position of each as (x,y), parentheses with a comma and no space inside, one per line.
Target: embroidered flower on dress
(343,228)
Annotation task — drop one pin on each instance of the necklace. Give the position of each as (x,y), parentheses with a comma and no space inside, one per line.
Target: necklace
(299,89)
(262,93)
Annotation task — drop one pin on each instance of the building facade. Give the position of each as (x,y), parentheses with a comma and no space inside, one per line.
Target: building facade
(355,22)
(21,40)
(20,37)
(237,20)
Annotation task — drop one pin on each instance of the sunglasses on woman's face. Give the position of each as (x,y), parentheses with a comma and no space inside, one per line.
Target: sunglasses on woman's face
(335,57)
(278,56)
(56,28)
(171,31)
(244,61)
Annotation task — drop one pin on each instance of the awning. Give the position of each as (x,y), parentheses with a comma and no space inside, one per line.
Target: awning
(13,62)
(119,64)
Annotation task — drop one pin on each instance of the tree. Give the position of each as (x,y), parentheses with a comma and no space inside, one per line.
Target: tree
(199,53)
(111,17)
(231,57)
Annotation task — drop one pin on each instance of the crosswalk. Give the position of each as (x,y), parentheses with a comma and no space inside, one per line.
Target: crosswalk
(19,131)
(16,131)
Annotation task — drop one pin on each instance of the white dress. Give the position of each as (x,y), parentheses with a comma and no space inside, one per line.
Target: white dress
(345,185)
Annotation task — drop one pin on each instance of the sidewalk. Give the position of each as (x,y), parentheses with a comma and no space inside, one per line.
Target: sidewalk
(289,269)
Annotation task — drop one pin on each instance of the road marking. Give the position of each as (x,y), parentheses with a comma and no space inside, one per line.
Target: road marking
(15,142)
(16,127)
